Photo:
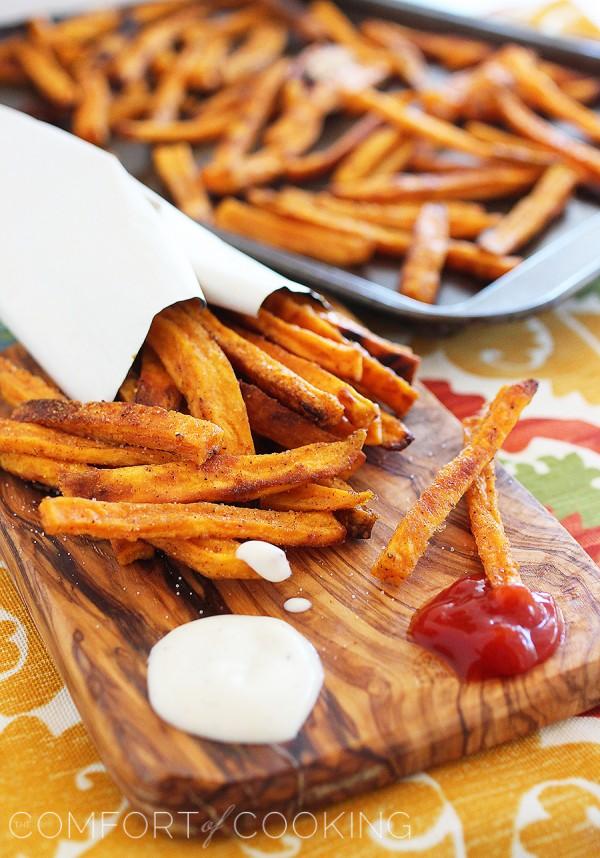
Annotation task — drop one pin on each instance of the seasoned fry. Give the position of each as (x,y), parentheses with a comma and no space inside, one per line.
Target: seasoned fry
(465,220)
(318,163)
(155,386)
(480,183)
(187,521)
(340,29)
(409,62)
(300,311)
(206,71)
(359,410)
(421,272)
(212,558)
(91,117)
(36,469)
(223,478)
(454,52)
(381,383)
(358,521)
(177,169)
(344,359)
(202,373)
(486,523)
(131,550)
(538,89)
(419,524)
(300,124)
(525,122)
(394,434)
(532,213)
(34,440)
(200,129)
(367,156)
(127,423)
(130,104)
(314,496)
(17,385)
(45,72)
(263,44)
(272,377)
(334,247)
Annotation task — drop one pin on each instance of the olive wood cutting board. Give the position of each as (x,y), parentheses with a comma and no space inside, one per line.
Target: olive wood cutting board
(387,707)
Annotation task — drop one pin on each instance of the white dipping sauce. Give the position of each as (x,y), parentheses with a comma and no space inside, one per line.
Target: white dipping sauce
(267,560)
(235,679)
(297,605)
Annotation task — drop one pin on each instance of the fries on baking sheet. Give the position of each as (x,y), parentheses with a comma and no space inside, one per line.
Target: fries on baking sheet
(353,115)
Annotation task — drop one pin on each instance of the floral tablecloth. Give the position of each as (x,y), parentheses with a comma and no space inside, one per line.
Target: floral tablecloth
(536,797)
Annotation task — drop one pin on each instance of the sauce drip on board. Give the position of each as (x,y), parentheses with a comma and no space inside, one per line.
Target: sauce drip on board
(484,631)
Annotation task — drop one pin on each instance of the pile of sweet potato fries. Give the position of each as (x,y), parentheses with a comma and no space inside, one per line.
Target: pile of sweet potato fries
(228,427)
(412,163)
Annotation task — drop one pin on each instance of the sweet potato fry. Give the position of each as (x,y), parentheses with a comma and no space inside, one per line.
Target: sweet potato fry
(424,262)
(206,71)
(37,469)
(45,72)
(178,171)
(486,523)
(91,117)
(301,121)
(366,157)
(130,103)
(131,550)
(397,357)
(359,410)
(421,521)
(272,420)
(273,377)
(17,385)
(212,558)
(301,311)
(155,386)
(358,521)
(382,384)
(128,389)
(202,373)
(334,247)
(199,129)
(340,29)
(532,213)
(465,220)
(454,52)
(396,161)
(314,496)
(63,516)
(322,161)
(409,60)
(223,478)
(263,44)
(523,120)
(394,434)
(341,358)
(480,183)
(538,89)
(484,131)
(33,440)
(127,423)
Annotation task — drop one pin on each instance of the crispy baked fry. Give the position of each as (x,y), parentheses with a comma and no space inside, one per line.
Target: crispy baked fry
(223,478)
(127,423)
(480,183)
(409,62)
(334,247)
(538,89)
(91,117)
(358,521)
(532,213)
(419,524)
(486,522)
(465,220)
(131,550)
(17,385)
(272,377)
(344,359)
(37,469)
(359,410)
(340,29)
(45,72)
(321,161)
(202,373)
(177,169)
(381,383)
(199,129)
(33,440)
(454,52)
(366,157)
(187,521)
(212,558)
(524,121)
(314,496)
(484,131)
(300,310)
(300,123)
(394,434)
(270,419)
(264,43)
(424,261)
(155,386)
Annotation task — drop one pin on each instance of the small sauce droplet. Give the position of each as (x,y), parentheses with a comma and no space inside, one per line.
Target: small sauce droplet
(484,631)
(297,605)
(268,561)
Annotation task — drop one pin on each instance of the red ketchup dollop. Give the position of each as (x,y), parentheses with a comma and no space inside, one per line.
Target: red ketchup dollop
(485,631)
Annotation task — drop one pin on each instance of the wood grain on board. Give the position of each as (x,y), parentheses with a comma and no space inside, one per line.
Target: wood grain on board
(387,707)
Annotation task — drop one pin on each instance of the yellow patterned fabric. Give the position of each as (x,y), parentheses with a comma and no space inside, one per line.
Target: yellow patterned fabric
(535,798)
